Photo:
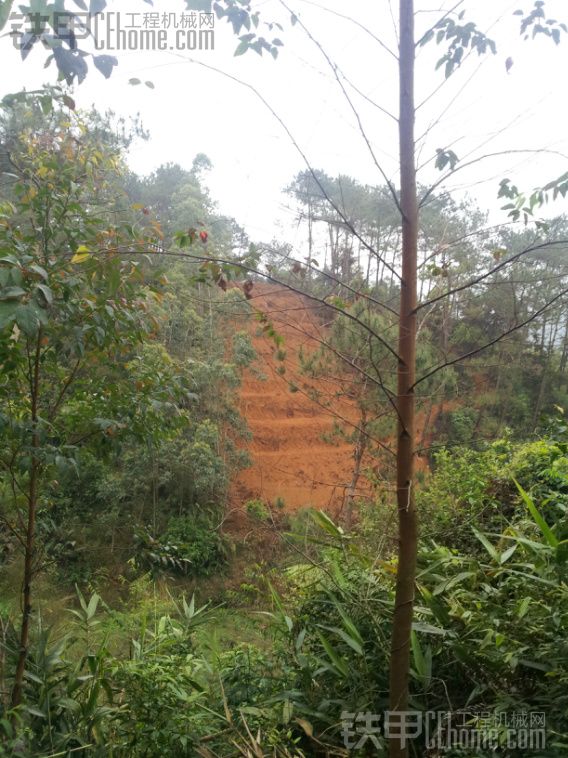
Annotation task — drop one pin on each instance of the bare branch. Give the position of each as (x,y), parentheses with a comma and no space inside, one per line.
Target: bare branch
(250,269)
(351,20)
(472,162)
(297,147)
(336,71)
(492,342)
(490,272)
(369,100)
(334,279)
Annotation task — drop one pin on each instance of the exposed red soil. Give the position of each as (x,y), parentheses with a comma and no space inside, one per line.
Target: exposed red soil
(291,460)
(290,457)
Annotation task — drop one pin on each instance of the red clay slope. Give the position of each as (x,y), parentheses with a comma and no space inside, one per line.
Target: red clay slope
(290,458)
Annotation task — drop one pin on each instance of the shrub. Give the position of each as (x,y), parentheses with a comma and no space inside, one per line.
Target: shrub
(190,545)
(489,632)
(159,715)
(465,489)
(542,468)
(476,488)
(457,427)
(257,510)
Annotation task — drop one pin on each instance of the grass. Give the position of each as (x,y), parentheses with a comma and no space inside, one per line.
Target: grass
(124,615)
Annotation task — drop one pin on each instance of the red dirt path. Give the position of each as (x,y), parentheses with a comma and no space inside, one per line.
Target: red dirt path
(290,458)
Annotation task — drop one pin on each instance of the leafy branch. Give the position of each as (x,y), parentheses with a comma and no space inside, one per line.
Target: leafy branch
(462,38)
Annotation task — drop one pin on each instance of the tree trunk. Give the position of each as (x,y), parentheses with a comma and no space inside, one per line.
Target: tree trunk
(408,529)
(17,689)
(358,453)
(546,371)
(564,358)
(426,427)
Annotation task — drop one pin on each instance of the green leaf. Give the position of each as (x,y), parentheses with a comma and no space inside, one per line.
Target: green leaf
(324,522)
(69,102)
(427,37)
(422,626)
(36,711)
(33,677)
(353,643)
(12,293)
(46,294)
(39,270)
(486,544)
(418,656)
(523,607)
(547,532)
(506,554)
(242,48)
(27,319)
(5,10)
(7,313)
(92,607)
(105,64)
(338,662)
(449,583)
(11,259)
(46,104)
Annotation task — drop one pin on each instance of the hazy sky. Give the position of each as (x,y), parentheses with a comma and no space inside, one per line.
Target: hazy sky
(481,109)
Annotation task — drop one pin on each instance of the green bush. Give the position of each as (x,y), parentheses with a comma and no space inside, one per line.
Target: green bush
(199,542)
(466,489)
(499,641)
(457,427)
(542,468)
(159,716)
(476,488)
(190,545)
(489,631)
(249,675)
(257,510)
(68,701)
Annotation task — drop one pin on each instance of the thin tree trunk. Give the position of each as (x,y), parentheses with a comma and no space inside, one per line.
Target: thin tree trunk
(17,689)
(546,370)
(4,693)
(540,397)
(358,453)
(310,231)
(564,358)
(408,528)
(426,427)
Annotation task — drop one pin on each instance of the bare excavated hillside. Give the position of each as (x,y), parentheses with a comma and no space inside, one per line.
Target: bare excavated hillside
(291,459)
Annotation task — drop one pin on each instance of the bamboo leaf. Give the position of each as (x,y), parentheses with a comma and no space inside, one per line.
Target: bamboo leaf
(547,532)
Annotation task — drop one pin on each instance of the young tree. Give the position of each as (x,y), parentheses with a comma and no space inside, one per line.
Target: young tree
(70,321)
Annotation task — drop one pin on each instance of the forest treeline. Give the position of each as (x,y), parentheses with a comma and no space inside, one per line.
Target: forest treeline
(126,313)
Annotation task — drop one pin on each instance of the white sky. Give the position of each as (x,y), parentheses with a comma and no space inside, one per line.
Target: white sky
(482,108)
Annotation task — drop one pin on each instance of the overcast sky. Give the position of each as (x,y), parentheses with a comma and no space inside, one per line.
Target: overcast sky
(481,109)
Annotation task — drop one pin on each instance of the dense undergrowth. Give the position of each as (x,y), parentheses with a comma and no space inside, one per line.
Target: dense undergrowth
(489,633)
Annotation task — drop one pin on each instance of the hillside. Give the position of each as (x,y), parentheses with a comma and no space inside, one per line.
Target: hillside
(291,458)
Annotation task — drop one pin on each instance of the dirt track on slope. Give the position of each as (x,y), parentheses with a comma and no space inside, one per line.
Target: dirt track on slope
(291,459)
